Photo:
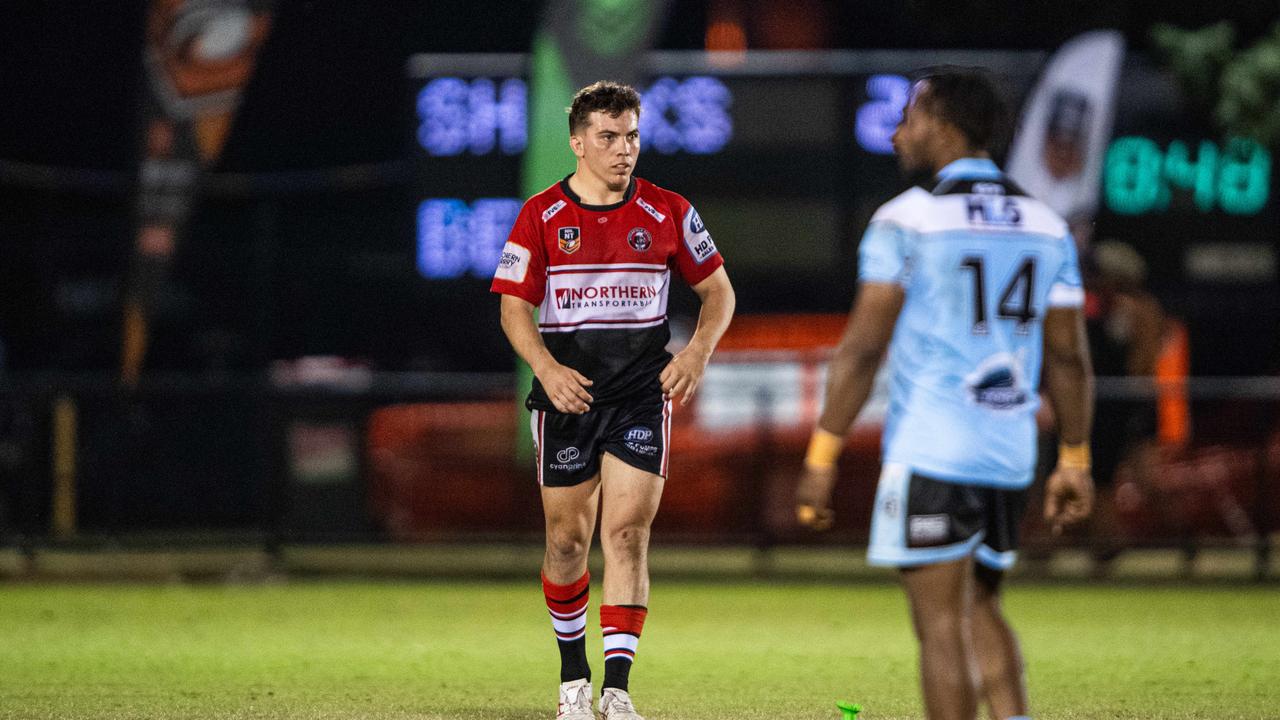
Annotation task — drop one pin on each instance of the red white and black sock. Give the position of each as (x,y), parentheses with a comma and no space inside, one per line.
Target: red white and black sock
(568,607)
(621,626)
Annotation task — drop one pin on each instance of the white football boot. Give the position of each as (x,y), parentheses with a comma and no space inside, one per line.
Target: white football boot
(616,704)
(575,701)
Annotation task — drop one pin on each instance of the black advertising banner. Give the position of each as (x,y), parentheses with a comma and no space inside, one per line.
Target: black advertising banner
(200,55)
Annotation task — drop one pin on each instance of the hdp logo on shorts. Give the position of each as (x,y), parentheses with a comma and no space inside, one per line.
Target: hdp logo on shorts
(570,239)
(568,455)
(639,239)
(638,439)
(639,433)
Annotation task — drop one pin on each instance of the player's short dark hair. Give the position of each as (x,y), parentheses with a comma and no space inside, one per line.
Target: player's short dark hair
(607,96)
(968,99)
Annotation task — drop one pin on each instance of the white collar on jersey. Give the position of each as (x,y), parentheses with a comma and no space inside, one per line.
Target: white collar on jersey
(970,169)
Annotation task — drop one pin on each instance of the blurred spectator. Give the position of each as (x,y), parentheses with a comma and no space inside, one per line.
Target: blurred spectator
(1125,324)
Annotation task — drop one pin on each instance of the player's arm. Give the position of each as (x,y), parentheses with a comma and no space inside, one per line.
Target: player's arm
(858,356)
(1068,383)
(681,376)
(566,387)
(850,377)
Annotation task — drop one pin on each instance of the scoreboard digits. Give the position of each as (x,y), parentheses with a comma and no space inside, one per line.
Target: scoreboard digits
(456,238)
(483,116)
(690,115)
(877,118)
(1140,178)
(476,116)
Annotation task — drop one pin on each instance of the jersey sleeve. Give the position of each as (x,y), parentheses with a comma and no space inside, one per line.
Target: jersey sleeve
(523,263)
(884,253)
(696,254)
(1066,289)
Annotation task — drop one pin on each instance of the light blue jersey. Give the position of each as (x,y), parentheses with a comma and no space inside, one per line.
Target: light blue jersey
(980,264)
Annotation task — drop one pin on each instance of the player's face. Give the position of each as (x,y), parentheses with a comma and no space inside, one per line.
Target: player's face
(608,147)
(913,138)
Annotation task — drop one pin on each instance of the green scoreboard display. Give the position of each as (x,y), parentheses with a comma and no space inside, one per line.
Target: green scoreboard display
(1141,175)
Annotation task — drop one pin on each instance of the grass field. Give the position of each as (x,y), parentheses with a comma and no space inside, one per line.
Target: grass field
(726,649)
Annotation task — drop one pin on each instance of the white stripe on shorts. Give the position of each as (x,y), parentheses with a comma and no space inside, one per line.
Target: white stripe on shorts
(537,419)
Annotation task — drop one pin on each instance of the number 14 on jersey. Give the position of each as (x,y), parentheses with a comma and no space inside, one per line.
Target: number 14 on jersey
(1015,301)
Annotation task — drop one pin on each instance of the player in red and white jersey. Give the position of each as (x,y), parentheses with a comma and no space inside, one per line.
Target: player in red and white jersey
(584,279)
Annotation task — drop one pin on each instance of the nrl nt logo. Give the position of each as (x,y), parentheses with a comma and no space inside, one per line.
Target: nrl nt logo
(570,239)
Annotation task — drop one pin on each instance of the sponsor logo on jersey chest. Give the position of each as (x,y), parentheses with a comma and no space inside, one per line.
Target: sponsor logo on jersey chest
(601,296)
(570,239)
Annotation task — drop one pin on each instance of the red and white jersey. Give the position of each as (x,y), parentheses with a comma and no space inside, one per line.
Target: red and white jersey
(599,276)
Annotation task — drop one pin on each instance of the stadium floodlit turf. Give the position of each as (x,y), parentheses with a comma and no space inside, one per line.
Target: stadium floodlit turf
(736,649)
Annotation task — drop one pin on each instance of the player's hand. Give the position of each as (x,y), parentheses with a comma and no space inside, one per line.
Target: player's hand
(682,375)
(566,387)
(813,497)
(1068,497)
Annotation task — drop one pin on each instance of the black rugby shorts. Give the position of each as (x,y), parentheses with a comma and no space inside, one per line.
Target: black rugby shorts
(567,448)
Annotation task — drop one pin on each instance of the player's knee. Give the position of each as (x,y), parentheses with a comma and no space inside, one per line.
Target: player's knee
(631,539)
(567,545)
(938,621)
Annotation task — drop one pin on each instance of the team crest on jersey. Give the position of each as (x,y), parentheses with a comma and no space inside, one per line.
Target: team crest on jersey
(570,239)
(639,239)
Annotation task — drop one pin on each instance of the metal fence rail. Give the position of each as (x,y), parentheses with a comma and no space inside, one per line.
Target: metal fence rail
(185,459)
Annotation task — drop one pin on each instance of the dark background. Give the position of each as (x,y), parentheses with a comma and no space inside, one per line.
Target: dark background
(330,90)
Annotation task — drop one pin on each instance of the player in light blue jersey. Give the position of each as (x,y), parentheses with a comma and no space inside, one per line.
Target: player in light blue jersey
(971,286)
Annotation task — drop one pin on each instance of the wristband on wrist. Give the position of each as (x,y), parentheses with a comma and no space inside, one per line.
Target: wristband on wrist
(1074,456)
(824,448)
